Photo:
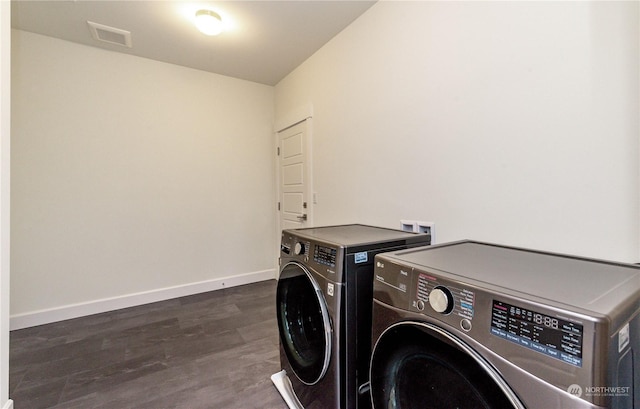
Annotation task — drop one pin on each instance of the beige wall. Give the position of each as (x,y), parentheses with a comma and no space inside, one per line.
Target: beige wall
(131,175)
(511,122)
(5,117)
(508,122)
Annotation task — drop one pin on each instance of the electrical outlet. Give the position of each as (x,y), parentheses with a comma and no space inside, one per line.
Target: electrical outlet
(408,225)
(427,227)
(419,227)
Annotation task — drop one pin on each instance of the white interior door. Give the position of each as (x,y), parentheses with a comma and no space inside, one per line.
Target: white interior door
(294,183)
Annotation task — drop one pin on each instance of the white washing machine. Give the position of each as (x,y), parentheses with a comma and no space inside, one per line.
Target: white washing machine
(324,299)
(476,325)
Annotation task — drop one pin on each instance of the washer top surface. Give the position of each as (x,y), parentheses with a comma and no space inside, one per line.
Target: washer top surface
(355,234)
(591,284)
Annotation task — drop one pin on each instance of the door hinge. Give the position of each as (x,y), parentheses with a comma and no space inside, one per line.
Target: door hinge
(278,151)
(304,205)
(278,206)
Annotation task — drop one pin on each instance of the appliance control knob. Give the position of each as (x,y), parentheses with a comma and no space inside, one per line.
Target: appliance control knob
(465,324)
(441,300)
(299,248)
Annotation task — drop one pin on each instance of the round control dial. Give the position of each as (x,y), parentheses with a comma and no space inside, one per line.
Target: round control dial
(441,300)
(298,248)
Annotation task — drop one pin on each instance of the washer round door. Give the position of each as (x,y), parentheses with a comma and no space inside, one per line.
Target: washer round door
(419,365)
(304,323)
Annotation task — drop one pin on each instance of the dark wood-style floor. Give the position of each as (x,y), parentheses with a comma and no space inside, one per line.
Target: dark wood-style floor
(211,350)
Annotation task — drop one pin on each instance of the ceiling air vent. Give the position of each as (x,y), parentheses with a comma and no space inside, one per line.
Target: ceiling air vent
(109,34)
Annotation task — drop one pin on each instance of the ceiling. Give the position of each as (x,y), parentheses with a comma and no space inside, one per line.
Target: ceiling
(263,40)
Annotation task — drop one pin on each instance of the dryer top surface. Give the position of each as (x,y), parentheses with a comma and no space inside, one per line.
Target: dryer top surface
(591,284)
(357,235)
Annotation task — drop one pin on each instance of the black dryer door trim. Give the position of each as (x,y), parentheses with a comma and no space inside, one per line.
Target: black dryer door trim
(419,365)
(303,323)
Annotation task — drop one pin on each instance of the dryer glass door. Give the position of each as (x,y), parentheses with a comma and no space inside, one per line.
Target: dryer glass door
(417,365)
(303,322)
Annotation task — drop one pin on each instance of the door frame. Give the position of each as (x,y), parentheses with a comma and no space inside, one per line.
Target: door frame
(301,114)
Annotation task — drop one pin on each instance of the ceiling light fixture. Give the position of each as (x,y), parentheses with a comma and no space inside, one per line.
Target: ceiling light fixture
(208,22)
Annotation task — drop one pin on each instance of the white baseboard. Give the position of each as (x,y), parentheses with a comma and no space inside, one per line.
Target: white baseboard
(32,319)
(8,405)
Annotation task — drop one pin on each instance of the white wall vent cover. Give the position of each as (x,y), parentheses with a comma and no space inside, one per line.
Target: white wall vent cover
(110,34)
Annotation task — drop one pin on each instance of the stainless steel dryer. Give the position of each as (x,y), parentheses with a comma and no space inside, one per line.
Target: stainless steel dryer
(324,299)
(476,325)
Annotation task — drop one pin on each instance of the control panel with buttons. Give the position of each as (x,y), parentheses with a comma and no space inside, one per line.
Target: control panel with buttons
(427,293)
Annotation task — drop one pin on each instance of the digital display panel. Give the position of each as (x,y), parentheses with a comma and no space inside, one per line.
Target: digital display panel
(325,255)
(549,335)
